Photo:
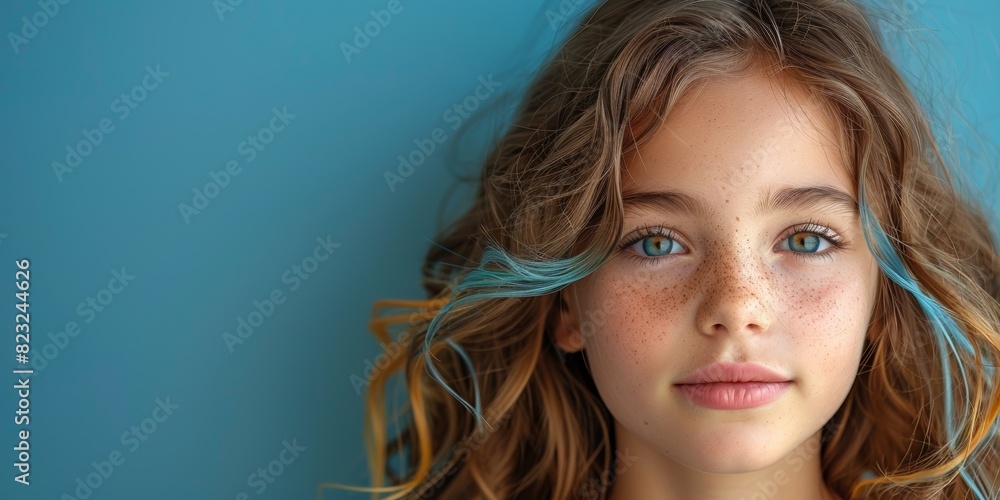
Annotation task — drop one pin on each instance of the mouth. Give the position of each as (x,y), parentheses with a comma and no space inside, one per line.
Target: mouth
(733,386)
(733,395)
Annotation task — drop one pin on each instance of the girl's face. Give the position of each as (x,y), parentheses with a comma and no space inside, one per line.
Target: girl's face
(742,244)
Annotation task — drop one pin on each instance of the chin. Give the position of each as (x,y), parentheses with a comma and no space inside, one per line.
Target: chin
(734,464)
(748,448)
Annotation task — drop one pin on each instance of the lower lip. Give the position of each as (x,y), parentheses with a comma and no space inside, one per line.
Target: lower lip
(733,395)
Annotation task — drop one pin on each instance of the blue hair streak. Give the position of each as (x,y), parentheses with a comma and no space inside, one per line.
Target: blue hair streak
(948,335)
(500,275)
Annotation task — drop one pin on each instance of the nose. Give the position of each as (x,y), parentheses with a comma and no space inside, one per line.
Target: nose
(736,296)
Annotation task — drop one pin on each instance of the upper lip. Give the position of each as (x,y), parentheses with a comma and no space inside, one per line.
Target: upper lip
(733,372)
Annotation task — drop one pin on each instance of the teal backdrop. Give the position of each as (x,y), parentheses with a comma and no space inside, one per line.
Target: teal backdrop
(210,196)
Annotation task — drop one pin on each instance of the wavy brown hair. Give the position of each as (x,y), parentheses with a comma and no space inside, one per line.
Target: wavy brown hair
(550,191)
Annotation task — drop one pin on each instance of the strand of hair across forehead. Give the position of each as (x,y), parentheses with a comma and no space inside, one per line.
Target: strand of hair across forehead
(500,275)
(947,333)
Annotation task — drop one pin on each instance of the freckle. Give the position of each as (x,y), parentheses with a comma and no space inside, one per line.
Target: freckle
(645,422)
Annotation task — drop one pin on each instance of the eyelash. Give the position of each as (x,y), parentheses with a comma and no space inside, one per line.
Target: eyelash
(836,241)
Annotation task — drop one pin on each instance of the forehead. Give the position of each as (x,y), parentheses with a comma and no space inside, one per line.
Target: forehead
(741,134)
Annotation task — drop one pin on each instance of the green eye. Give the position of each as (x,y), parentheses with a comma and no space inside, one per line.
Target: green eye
(654,243)
(805,242)
(655,246)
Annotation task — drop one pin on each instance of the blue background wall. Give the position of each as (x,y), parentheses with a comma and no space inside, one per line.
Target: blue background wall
(202,79)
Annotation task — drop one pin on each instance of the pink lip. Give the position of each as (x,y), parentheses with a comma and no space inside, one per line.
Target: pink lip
(733,386)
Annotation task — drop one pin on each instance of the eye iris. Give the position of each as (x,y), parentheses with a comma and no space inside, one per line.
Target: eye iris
(657,245)
(804,242)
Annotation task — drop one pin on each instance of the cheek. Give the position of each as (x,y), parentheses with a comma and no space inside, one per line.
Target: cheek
(819,320)
(831,320)
(818,309)
(823,324)
(634,324)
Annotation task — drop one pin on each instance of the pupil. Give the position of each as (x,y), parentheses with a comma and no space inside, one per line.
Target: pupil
(655,244)
(808,242)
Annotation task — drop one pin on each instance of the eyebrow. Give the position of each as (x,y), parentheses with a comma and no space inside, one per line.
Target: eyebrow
(788,198)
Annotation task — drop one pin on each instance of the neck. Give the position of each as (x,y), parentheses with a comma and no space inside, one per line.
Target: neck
(651,474)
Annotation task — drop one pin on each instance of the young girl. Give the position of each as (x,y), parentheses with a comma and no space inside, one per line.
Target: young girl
(717,255)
